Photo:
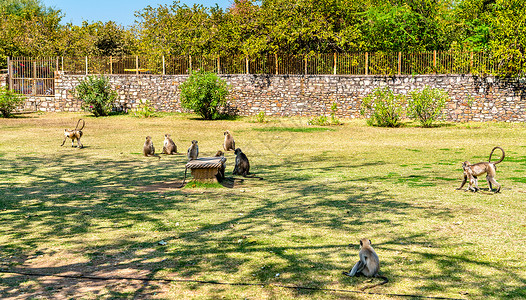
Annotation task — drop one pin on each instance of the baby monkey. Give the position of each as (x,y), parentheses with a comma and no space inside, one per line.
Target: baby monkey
(368,265)
(74,134)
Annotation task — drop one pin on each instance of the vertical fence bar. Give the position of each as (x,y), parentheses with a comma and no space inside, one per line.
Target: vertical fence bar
(33,79)
(62,61)
(111,64)
(9,74)
(434,61)
(246,65)
(366,63)
(190,58)
(86,58)
(164,67)
(276,62)
(399,63)
(471,63)
(136,65)
(334,63)
(305,60)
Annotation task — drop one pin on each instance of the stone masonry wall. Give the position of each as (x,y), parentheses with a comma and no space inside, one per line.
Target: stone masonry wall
(472,98)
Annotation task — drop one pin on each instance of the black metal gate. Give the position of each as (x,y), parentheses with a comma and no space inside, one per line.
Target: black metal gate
(33,76)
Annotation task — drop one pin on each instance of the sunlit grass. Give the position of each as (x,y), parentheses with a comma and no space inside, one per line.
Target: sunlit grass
(103,209)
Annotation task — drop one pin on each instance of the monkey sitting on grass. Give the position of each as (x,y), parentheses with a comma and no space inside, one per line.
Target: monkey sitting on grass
(368,265)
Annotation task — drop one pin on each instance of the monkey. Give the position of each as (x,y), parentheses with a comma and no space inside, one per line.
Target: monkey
(193,151)
(471,172)
(229,143)
(242,166)
(74,134)
(169,145)
(148,149)
(368,265)
(219,153)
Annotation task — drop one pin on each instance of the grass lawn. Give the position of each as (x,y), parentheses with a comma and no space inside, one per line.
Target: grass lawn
(101,211)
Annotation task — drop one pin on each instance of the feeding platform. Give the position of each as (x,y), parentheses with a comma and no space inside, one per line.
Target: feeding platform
(207,168)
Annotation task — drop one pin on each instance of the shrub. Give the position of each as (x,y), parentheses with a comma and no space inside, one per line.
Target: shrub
(334,119)
(383,107)
(204,93)
(426,105)
(319,121)
(324,120)
(260,117)
(145,109)
(97,95)
(9,100)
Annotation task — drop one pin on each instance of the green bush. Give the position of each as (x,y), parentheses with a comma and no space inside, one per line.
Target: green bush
(204,93)
(145,109)
(383,107)
(319,121)
(426,105)
(9,100)
(97,95)
(260,117)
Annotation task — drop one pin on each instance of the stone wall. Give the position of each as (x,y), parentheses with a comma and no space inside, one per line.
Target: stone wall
(472,98)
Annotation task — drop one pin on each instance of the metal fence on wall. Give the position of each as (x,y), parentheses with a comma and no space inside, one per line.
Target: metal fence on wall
(35,76)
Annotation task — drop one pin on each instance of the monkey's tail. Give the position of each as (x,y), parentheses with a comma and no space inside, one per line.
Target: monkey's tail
(83,123)
(501,158)
(375,285)
(184,178)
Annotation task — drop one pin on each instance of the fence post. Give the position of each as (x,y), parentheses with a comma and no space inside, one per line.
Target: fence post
(434,61)
(86,65)
(334,63)
(276,61)
(62,60)
(56,67)
(190,56)
(164,67)
(136,64)
(111,65)
(9,73)
(471,63)
(218,65)
(34,79)
(305,64)
(246,62)
(399,63)
(366,63)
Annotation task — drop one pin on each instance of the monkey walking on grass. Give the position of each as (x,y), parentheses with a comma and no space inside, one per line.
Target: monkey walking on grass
(74,134)
(471,172)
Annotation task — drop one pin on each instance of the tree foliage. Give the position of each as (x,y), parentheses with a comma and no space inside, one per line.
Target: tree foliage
(295,27)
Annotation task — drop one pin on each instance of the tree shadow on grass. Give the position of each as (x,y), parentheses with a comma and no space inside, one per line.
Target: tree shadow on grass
(67,207)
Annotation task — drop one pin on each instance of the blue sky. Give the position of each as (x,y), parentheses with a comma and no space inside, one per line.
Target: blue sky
(120,11)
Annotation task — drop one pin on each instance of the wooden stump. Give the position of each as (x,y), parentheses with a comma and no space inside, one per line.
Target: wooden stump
(207,168)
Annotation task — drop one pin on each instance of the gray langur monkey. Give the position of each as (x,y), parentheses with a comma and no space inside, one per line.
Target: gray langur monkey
(169,146)
(74,134)
(368,265)
(148,149)
(229,143)
(489,168)
(219,153)
(193,151)
(242,166)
